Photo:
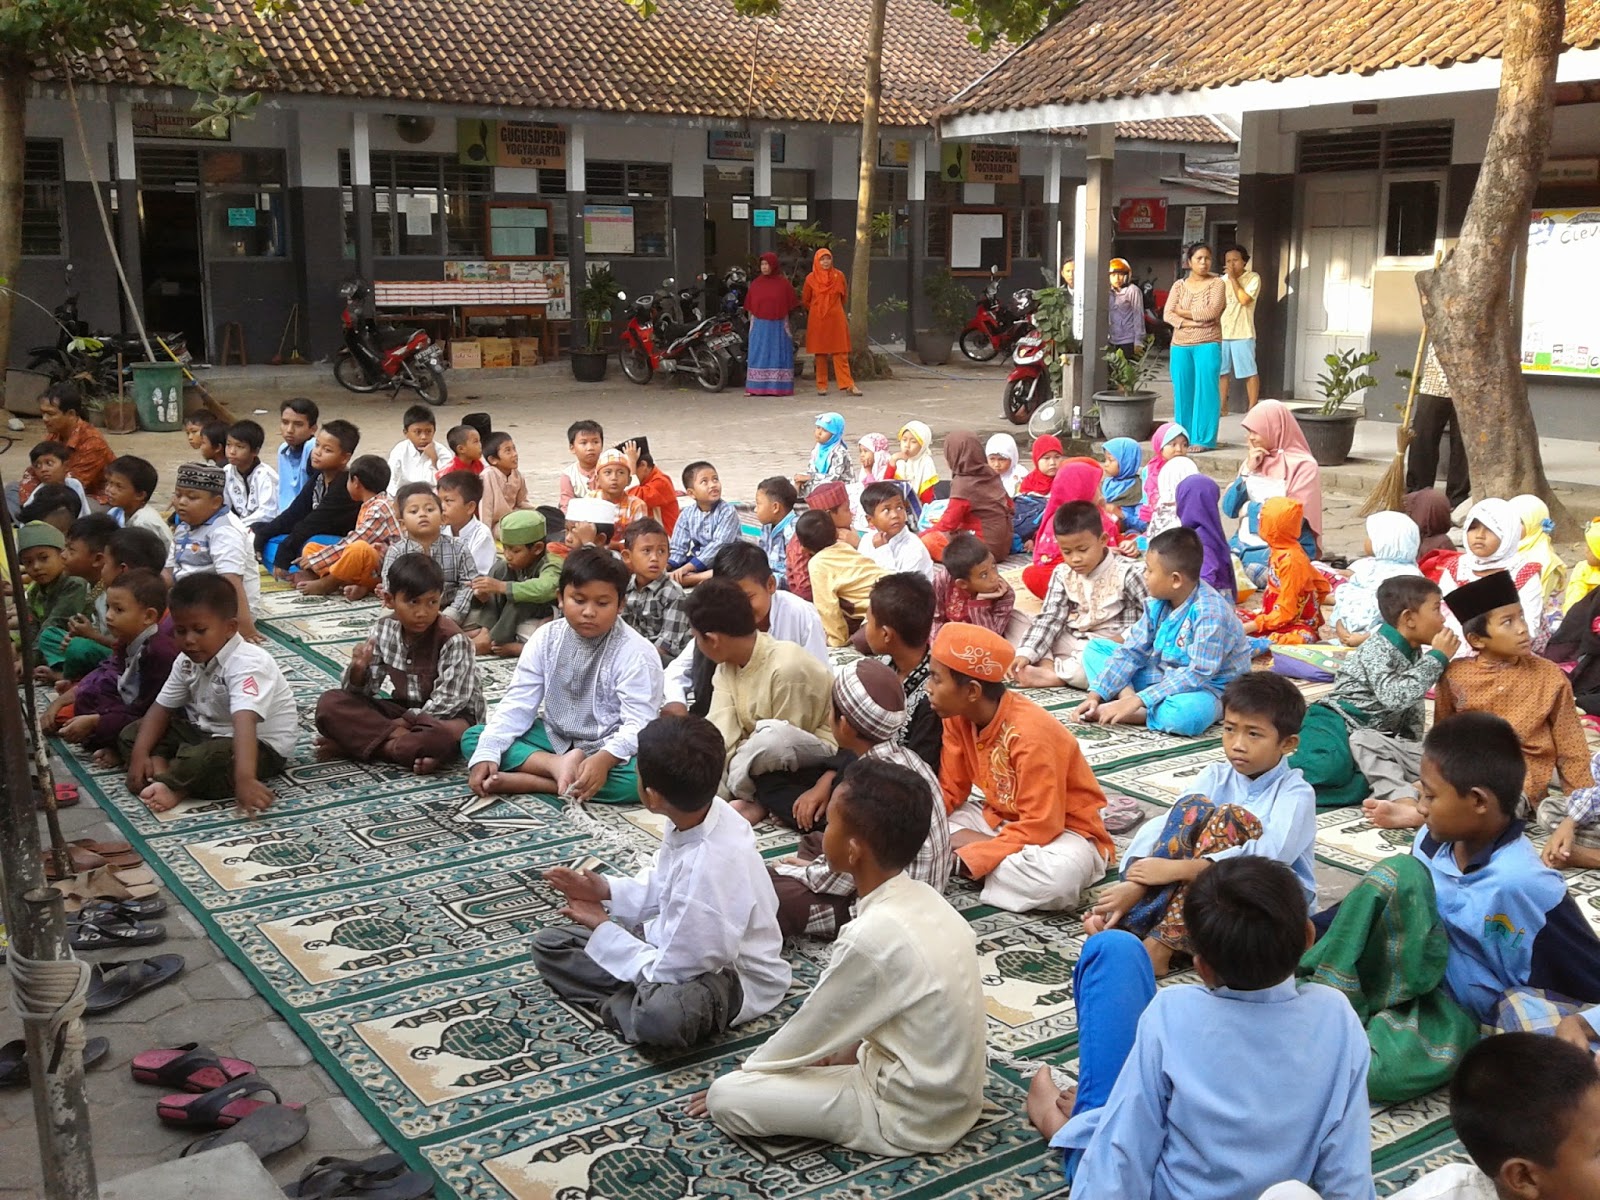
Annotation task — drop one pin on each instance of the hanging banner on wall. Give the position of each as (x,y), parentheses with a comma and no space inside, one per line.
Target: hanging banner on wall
(732,145)
(511,144)
(1145,214)
(1559,336)
(894,152)
(1194,224)
(608,229)
(975,162)
(175,121)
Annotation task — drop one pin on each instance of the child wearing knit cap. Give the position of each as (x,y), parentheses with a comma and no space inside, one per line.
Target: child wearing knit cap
(210,538)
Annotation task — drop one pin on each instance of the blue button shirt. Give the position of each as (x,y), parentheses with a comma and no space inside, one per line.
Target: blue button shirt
(293,469)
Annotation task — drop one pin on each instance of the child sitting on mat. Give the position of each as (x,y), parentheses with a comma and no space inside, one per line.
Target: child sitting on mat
(459,495)
(323,511)
(655,603)
(830,457)
(86,642)
(425,663)
(585,686)
(353,562)
(252,486)
(774,508)
(422,525)
(689,947)
(654,485)
(519,592)
(466,448)
(702,529)
(899,630)
(968,587)
(886,1055)
(890,540)
(131,482)
(1255,803)
(576,480)
(841,576)
(225,719)
(208,538)
(1390,550)
(415,457)
(1291,600)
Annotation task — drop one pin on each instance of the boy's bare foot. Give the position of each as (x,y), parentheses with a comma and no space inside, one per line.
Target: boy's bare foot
(107,758)
(479,638)
(316,585)
(1048,1106)
(1392,814)
(425,766)
(158,797)
(356,592)
(324,749)
(1160,956)
(1038,677)
(518,783)
(750,811)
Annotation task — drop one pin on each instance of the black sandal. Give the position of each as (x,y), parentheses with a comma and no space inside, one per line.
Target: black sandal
(267,1130)
(384,1177)
(102,930)
(14,1060)
(115,983)
(138,910)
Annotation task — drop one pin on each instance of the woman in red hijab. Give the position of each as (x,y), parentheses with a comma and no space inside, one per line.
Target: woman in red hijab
(827,327)
(770,362)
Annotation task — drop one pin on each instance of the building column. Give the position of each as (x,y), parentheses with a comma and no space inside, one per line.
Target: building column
(1266,229)
(688,204)
(577,193)
(127,186)
(1094,238)
(1052,215)
(917,315)
(361,191)
(763,238)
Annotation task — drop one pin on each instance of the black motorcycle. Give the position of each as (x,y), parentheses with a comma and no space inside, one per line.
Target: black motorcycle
(91,358)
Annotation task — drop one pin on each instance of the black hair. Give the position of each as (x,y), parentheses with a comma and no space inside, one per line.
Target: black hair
(147,588)
(418,414)
(1479,750)
(49,499)
(48,449)
(466,484)
(250,433)
(302,406)
(413,576)
(94,531)
(195,420)
(371,471)
(1516,1095)
(992,692)
(345,433)
(776,487)
(642,444)
(904,602)
(595,565)
(742,560)
(1180,550)
(1401,594)
(140,473)
(1193,246)
(215,432)
(815,530)
(204,590)
(681,758)
(1077,516)
(138,549)
(458,436)
(1477,626)
(578,427)
(494,442)
(718,606)
(890,806)
(410,490)
(641,528)
(964,555)
(878,493)
(694,469)
(1236,248)
(64,394)
(1269,695)
(1247,920)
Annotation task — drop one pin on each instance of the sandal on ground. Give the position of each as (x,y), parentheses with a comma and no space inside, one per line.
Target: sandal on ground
(116,854)
(385,1177)
(266,1130)
(113,929)
(66,796)
(138,910)
(190,1067)
(1122,814)
(115,983)
(80,860)
(14,1060)
(102,884)
(221,1107)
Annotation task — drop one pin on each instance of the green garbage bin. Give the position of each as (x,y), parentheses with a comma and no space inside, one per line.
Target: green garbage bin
(158,395)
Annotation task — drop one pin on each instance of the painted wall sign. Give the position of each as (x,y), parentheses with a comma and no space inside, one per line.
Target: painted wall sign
(512,144)
(1142,214)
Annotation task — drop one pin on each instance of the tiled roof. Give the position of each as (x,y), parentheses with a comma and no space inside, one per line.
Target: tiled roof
(693,58)
(1170,129)
(1109,49)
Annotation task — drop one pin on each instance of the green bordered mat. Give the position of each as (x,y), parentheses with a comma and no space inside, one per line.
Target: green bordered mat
(390,928)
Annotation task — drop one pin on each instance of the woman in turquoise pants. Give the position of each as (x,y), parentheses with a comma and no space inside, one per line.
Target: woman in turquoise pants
(1194,310)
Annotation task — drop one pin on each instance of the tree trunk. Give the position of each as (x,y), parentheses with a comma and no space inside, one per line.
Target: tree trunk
(1467,301)
(13,103)
(861,263)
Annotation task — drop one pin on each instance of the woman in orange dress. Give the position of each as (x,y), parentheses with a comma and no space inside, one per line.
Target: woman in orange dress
(827,326)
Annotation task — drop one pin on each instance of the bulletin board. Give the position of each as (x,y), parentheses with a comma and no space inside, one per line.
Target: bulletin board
(519,229)
(1560,332)
(980,238)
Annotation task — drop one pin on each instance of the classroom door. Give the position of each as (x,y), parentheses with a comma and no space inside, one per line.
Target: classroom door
(1334,291)
(728,195)
(173,263)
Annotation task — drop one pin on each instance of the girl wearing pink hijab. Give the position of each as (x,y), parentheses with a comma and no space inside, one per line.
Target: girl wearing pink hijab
(1077,479)
(1170,441)
(1279,463)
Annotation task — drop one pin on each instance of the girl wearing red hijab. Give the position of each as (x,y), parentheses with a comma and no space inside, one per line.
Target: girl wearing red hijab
(827,327)
(770,364)
(1075,480)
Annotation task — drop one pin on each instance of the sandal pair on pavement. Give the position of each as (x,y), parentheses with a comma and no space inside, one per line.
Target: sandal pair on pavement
(221,1095)
(385,1177)
(98,929)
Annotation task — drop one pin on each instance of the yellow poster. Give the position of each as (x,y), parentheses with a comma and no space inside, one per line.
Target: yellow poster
(483,143)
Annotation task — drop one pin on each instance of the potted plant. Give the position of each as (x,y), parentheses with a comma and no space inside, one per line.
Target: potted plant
(596,299)
(1128,408)
(1052,317)
(1330,427)
(949,307)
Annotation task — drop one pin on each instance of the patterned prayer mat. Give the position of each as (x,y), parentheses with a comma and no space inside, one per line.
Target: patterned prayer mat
(390,928)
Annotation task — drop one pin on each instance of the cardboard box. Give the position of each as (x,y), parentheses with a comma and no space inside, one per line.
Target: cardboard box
(465,353)
(525,351)
(496,351)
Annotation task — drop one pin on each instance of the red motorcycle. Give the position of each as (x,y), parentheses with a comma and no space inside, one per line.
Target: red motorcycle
(996,327)
(1028,385)
(652,342)
(374,359)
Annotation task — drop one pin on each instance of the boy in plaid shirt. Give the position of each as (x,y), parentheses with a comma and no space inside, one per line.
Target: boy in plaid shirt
(352,561)
(654,606)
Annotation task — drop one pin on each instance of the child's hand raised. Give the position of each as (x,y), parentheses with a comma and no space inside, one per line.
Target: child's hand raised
(1446,643)
(586,886)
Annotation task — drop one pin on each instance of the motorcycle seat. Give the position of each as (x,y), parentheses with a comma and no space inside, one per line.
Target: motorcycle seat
(388,339)
(673,332)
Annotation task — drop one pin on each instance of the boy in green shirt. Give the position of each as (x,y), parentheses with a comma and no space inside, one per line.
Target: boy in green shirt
(519,593)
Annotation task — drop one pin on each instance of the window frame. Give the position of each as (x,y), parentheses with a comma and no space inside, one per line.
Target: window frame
(1382,260)
(58,185)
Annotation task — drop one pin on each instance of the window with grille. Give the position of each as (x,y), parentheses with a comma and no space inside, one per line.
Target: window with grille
(44,227)
(644,187)
(423,205)
(942,197)
(890,213)
(1394,148)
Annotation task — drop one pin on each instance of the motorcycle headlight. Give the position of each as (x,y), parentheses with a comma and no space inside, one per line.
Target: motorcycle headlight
(348,290)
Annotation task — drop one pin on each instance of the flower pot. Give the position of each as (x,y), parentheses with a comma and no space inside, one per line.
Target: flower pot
(1127,416)
(1330,437)
(934,346)
(589,366)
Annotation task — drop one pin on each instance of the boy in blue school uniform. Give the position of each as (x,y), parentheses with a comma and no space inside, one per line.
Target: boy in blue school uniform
(1228,1089)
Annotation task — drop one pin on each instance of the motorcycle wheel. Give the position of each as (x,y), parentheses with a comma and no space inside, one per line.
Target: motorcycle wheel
(1021,397)
(710,369)
(50,365)
(977,345)
(428,382)
(350,375)
(635,363)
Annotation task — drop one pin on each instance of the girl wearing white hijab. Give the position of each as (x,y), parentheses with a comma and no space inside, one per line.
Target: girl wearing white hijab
(1164,515)
(1493,535)
(1393,540)
(1011,472)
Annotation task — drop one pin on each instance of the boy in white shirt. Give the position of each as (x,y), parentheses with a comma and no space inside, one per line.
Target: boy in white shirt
(251,487)
(891,543)
(415,457)
(209,538)
(224,721)
(460,493)
(690,946)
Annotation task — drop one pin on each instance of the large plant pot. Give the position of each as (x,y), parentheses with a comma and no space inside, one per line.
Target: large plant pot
(589,366)
(1127,416)
(1330,437)
(934,346)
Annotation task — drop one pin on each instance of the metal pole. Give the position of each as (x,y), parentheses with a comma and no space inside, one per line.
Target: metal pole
(34,917)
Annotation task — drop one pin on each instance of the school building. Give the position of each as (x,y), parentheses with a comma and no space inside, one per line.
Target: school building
(474,140)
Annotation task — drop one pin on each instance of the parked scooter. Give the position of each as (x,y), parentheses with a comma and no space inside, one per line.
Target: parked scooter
(376,359)
(997,326)
(91,359)
(653,342)
(1028,385)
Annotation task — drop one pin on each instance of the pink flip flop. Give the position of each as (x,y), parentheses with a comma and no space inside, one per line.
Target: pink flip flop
(192,1067)
(221,1107)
